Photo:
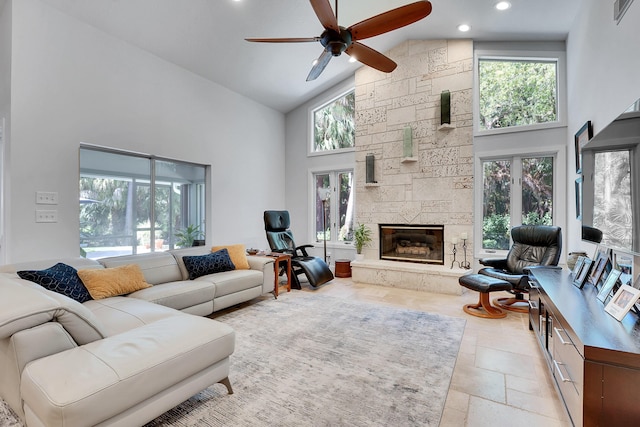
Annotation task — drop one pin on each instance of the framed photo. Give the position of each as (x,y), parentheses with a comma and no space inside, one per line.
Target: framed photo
(578,266)
(581,138)
(622,301)
(579,198)
(608,285)
(624,262)
(599,266)
(581,278)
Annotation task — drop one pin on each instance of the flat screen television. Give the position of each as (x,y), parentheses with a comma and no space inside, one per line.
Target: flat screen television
(611,180)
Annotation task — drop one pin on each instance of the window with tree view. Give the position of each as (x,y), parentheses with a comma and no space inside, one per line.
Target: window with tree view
(334,206)
(518,92)
(516,190)
(133,204)
(334,124)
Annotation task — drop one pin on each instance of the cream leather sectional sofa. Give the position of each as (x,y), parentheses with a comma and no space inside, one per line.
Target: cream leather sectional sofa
(122,360)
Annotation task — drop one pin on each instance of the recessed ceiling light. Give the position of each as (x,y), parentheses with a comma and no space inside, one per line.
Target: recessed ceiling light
(464,28)
(352,59)
(503,5)
(314,62)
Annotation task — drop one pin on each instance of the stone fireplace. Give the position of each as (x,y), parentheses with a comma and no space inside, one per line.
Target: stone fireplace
(431,182)
(412,243)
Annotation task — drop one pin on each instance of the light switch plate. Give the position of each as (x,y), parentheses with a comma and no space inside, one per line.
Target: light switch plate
(46,216)
(46,198)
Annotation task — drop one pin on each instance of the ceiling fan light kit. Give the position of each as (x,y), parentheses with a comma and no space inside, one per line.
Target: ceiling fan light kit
(336,39)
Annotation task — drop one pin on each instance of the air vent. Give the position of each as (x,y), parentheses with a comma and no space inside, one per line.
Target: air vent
(619,8)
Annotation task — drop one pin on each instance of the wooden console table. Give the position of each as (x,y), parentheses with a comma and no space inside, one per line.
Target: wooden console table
(279,258)
(593,358)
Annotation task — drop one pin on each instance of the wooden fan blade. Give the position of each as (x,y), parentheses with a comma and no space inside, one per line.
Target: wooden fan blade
(391,20)
(283,40)
(325,14)
(371,57)
(318,68)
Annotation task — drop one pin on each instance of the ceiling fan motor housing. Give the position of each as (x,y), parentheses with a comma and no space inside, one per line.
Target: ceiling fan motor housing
(335,42)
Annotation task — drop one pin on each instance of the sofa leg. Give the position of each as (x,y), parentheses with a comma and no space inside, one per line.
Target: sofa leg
(227,384)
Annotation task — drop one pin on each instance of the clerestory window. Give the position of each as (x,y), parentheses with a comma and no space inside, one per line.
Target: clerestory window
(333,125)
(517,93)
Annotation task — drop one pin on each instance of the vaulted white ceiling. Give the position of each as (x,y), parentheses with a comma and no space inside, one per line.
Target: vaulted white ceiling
(206,37)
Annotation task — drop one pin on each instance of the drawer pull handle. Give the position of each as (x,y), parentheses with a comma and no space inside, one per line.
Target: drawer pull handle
(533,285)
(533,305)
(560,336)
(562,378)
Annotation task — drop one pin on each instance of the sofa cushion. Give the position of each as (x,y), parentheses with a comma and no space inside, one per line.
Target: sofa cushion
(122,371)
(24,307)
(60,278)
(157,267)
(234,281)
(237,253)
(113,281)
(201,265)
(121,314)
(179,295)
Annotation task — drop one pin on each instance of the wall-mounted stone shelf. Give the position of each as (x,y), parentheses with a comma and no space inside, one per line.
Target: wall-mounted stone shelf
(446,126)
(372,184)
(409,160)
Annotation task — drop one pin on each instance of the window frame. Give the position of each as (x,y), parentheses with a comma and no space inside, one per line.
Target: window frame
(198,209)
(559,191)
(311,203)
(311,127)
(522,55)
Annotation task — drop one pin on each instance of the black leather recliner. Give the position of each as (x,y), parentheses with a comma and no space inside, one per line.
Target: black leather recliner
(533,245)
(280,238)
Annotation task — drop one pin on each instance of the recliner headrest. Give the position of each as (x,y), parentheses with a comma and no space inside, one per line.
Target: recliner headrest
(276,220)
(537,235)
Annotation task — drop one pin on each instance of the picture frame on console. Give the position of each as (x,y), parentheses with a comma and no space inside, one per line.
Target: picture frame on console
(622,302)
(608,286)
(599,266)
(581,138)
(578,267)
(581,278)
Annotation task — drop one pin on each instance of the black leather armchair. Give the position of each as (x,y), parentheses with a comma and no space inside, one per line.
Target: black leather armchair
(280,238)
(533,245)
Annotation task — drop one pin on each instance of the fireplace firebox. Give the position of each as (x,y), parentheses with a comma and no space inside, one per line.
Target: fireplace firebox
(413,243)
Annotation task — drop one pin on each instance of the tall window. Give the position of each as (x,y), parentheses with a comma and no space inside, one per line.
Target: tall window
(334,124)
(517,92)
(334,206)
(516,190)
(135,204)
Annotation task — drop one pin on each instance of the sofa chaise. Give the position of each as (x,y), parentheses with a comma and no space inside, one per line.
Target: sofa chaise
(124,359)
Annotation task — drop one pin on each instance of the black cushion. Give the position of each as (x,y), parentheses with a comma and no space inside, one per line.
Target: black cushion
(484,284)
(60,278)
(201,265)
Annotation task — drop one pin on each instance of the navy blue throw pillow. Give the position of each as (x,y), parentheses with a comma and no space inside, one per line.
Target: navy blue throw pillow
(60,278)
(201,265)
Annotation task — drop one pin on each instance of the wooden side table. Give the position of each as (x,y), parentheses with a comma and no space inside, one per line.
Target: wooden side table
(277,259)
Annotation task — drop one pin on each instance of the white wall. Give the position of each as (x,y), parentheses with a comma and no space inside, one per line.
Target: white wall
(299,165)
(73,83)
(5,110)
(603,79)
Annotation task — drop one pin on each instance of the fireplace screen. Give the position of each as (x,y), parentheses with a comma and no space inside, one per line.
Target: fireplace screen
(415,243)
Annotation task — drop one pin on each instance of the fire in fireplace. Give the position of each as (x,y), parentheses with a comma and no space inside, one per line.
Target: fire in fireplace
(414,243)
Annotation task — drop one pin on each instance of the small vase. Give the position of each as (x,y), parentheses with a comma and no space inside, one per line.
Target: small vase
(359,257)
(573,258)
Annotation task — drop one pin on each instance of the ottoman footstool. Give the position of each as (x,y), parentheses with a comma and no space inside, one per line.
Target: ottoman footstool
(484,285)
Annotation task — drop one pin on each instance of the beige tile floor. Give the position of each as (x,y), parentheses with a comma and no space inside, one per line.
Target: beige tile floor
(500,377)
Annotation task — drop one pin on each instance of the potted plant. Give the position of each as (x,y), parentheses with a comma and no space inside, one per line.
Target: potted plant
(187,236)
(361,238)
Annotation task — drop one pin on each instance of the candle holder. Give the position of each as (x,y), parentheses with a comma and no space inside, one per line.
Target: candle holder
(465,264)
(454,256)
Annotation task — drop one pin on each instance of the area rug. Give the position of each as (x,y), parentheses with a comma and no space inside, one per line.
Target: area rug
(312,360)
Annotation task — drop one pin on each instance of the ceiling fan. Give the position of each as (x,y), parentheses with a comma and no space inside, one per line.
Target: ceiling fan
(336,39)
